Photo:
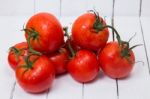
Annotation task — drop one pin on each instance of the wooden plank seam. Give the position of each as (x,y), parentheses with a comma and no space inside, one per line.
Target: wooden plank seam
(140,11)
(145,48)
(112,23)
(12,90)
(82,90)
(140,8)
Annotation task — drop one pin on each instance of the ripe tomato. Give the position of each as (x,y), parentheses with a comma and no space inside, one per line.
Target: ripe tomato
(84,66)
(60,60)
(16,54)
(88,36)
(113,63)
(45,32)
(35,74)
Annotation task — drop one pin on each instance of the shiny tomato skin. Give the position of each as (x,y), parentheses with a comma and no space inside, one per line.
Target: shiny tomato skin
(113,64)
(50,31)
(60,60)
(84,67)
(13,59)
(38,78)
(84,35)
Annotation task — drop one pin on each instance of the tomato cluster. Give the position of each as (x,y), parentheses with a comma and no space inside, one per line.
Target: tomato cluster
(46,54)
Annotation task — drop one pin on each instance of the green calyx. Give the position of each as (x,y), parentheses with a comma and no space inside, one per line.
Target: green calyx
(98,24)
(28,62)
(125,50)
(32,35)
(16,51)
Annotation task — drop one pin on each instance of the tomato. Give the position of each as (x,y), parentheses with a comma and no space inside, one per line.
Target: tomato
(36,74)
(87,35)
(113,63)
(60,60)
(16,54)
(45,33)
(84,66)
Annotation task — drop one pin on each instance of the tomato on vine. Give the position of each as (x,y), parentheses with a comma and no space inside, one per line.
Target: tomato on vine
(88,31)
(115,62)
(44,33)
(35,74)
(84,66)
(117,58)
(16,54)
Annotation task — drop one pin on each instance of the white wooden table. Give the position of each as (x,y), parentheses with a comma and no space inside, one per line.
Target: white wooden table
(129,17)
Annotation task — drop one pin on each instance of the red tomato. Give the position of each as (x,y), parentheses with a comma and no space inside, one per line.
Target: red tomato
(84,66)
(16,54)
(37,75)
(60,60)
(45,31)
(113,63)
(85,35)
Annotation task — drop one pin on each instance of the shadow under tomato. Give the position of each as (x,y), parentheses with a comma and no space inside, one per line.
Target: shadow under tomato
(98,77)
(39,93)
(126,78)
(61,75)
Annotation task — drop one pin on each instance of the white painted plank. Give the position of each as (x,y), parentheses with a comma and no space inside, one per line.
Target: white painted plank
(137,85)
(10,34)
(65,87)
(6,77)
(127,7)
(145,8)
(104,7)
(19,93)
(73,7)
(16,7)
(68,21)
(145,25)
(51,6)
(103,86)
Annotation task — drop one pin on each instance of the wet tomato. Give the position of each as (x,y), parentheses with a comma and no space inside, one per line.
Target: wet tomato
(16,54)
(115,62)
(44,33)
(88,31)
(35,74)
(84,66)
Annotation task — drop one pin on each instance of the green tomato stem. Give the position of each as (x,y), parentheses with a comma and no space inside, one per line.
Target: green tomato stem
(117,34)
(69,44)
(32,34)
